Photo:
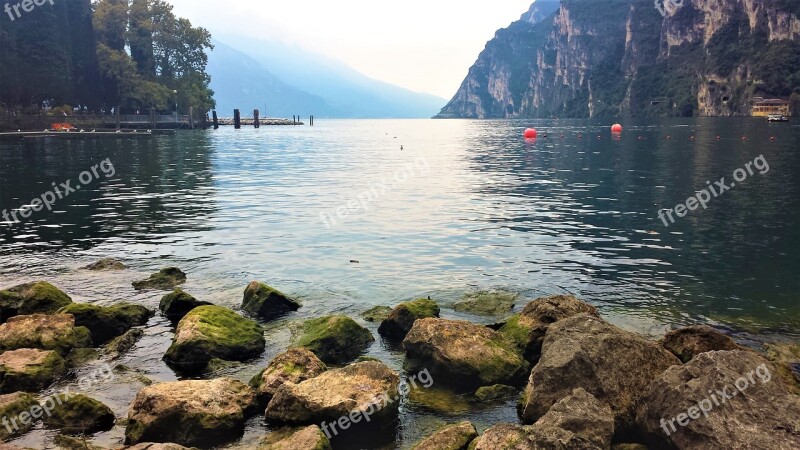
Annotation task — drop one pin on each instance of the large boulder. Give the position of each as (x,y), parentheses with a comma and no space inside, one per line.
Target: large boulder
(108,322)
(467,355)
(402,318)
(43,331)
(308,438)
(508,436)
(335,339)
(452,437)
(294,366)
(12,406)
(164,280)
(79,414)
(177,304)
(191,413)
(582,414)
(527,329)
(365,391)
(586,352)
(29,370)
(786,358)
(726,399)
(266,302)
(31,298)
(686,343)
(213,332)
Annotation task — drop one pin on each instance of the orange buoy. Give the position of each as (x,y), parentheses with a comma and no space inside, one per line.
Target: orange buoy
(531,133)
(616,128)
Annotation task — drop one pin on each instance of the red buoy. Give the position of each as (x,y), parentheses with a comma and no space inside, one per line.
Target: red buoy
(616,128)
(531,133)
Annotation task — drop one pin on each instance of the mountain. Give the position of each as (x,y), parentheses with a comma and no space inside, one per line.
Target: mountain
(337,90)
(590,58)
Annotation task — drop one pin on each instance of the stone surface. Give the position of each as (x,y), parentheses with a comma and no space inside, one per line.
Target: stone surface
(29,370)
(527,329)
(451,437)
(267,302)
(462,354)
(155,446)
(402,318)
(191,413)
(586,352)
(165,279)
(440,400)
(123,344)
(517,437)
(496,392)
(177,304)
(756,411)
(213,332)
(335,339)
(686,343)
(308,438)
(11,406)
(65,442)
(377,314)
(487,303)
(106,264)
(294,366)
(582,414)
(79,414)
(786,358)
(31,298)
(107,322)
(47,332)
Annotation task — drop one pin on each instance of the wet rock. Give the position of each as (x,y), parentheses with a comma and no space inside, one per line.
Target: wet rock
(79,414)
(628,446)
(366,389)
(164,279)
(487,303)
(29,370)
(586,352)
(335,339)
(31,298)
(154,446)
(686,343)
(496,392)
(527,329)
(177,304)
(106,264)
(726,399)
(11,407)
(402,318)
(376,314)
(73,443)
(123,344)
(440,400)
(518,437)
(213,332)
(786,358)
(308,438)
(108,322)
(451,437)
(191,413)
(294,366)
(463,354)
(46,332)
(266,302)
(582,414)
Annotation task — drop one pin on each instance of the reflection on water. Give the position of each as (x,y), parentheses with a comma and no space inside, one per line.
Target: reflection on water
(341,217)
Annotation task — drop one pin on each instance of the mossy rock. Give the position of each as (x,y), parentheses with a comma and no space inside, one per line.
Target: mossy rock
(108,322)
(452,437)
(29,370)
(376,314)
(335,339)
(46,332)
(496,392)
(402,318)
(106,264)
(439,400)
(165,279)
(11,406)
(628,447)
(74,443)
(125,343)
(79,414)
(786,357)
(308,438)
(31,298)
(487,303)
(267,302)
(210,332)
(177,304)
(293,366)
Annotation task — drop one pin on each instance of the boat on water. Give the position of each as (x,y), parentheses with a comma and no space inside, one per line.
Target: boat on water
(777,118)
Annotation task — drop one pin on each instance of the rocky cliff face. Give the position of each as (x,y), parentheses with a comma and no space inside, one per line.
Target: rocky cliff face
(589,58)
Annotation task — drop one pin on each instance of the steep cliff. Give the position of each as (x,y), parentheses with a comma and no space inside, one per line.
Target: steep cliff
(591,58)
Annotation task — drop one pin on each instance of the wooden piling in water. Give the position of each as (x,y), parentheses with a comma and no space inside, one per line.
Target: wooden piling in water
(256,121)
(152,118)
(237,119)
(116,113)
(191,117)
(215,119)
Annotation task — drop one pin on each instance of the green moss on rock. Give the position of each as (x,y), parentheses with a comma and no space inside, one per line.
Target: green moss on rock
(108,322)
(402,318)
(47,332)
(308,438)
(266,302)
(31,298)
(79,414)
(335,339)
(451,437)
(164,279)
(177,304)
(11,406)
(487,303)
(496,392)
(439,400)
(377,314)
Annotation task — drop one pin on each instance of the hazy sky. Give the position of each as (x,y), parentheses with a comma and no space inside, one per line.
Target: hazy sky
(423,45)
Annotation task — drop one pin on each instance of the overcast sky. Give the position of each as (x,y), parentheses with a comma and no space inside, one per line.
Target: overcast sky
(423,45)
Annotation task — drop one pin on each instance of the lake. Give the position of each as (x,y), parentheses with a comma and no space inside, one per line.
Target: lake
(347,215)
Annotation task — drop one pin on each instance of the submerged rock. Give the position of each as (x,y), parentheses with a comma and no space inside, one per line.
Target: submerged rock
(79,414)
(496,392)
(29,370)
(720,399)
(11,407)
(213,332)
(46,332)
(786,358)
(335,339)
(586,352)
(193,412)
(106,264)
(581,413)
(487,303)
(31,298)
(266,302)
(376,314)
(402,318)
(462,354)
(527,329)
(108,322)
(536,437)
(177,304)
(686,343)
(294,366)
(308,438)
(123,344)
(451,437)
(164,279)
(440,400)
(361,390)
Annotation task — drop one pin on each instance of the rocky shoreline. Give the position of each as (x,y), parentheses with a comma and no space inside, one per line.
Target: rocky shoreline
(581,382)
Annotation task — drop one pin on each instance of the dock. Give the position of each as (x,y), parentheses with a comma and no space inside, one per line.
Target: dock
(77,134)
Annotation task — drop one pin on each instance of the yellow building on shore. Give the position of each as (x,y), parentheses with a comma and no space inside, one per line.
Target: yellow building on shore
(766,107)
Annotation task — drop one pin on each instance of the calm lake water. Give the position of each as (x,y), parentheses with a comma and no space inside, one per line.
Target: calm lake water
(464,206)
